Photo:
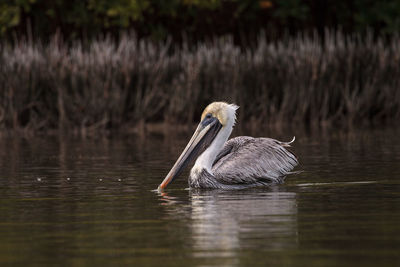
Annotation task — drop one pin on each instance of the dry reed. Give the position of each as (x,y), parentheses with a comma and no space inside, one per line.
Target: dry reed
(108,85)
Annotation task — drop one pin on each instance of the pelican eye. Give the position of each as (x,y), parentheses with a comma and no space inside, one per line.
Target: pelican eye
(207,120)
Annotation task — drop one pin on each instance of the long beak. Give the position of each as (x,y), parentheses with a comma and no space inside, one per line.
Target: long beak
(201,139)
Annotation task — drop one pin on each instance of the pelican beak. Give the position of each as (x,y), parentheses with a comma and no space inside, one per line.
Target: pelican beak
(201,139)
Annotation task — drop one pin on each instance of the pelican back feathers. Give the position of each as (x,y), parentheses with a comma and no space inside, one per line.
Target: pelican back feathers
(247,162)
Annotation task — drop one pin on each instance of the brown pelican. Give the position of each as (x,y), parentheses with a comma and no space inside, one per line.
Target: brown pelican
(238,163)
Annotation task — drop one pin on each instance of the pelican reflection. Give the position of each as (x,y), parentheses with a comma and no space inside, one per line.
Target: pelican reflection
(223,222)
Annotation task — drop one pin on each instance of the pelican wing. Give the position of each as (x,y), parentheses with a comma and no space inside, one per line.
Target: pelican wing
(255,161)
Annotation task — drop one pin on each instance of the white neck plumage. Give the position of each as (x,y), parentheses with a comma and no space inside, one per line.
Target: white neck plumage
(207,158)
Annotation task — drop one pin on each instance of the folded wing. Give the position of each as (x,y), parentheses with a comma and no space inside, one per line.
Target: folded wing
(253,161)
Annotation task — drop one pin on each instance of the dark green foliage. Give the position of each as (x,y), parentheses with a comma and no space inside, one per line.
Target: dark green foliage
(194,20)
(109,86)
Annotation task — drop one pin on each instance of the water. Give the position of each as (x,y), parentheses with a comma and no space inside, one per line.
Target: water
(85,202)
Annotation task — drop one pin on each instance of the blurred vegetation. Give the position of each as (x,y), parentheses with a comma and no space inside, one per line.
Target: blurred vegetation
(93,65)
(108,85)
(194,19)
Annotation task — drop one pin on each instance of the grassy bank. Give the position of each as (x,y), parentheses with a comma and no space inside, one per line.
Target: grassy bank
(107,85)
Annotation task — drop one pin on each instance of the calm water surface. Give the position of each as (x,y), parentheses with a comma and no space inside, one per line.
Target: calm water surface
(91,202)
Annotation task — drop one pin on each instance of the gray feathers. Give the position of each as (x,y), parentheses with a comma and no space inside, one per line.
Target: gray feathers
(246,162)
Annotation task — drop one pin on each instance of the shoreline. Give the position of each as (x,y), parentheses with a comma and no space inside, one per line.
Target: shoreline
(164,129)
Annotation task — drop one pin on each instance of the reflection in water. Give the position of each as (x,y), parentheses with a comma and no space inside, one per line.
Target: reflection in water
(225,222)
(90,202)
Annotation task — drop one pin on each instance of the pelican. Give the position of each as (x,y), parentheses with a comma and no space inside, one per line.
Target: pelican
(238,163)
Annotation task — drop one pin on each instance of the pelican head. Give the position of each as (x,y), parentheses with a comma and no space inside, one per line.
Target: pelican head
(215,126)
